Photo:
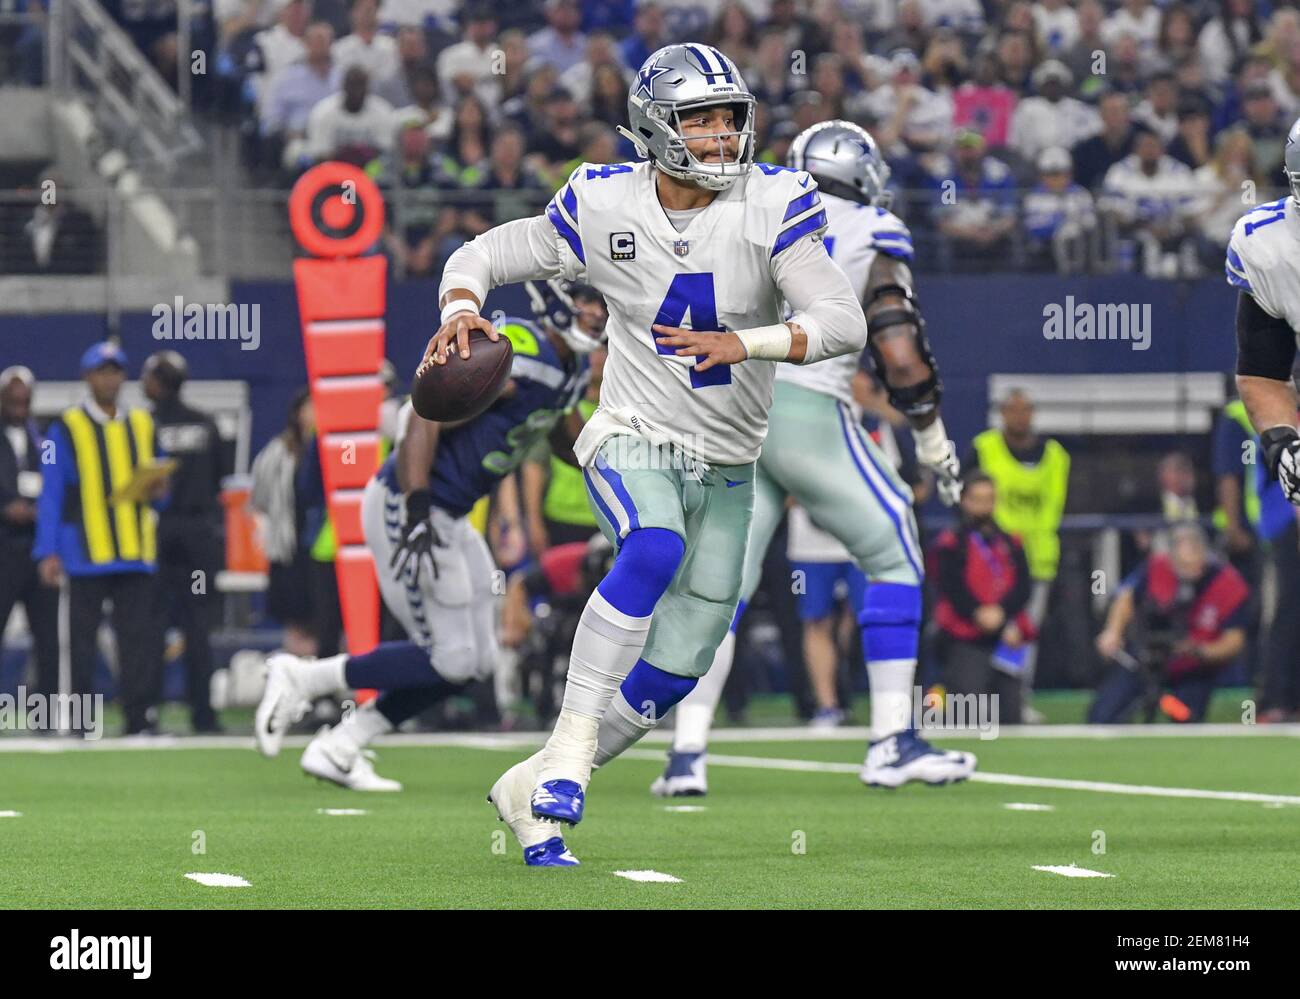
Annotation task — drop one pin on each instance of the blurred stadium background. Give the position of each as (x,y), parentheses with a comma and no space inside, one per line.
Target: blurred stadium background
(1045,155)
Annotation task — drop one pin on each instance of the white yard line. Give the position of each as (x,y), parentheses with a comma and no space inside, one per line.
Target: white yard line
(511,740)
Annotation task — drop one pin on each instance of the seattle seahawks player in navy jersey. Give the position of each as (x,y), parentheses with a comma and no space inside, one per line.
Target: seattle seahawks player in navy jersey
(435,570)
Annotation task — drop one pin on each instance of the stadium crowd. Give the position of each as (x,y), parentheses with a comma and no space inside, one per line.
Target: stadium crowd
(1126,134)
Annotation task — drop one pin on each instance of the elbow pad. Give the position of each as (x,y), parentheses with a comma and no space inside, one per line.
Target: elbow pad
(914,400)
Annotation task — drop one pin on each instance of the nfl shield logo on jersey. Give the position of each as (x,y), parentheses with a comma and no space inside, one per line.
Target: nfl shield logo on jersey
(681,247)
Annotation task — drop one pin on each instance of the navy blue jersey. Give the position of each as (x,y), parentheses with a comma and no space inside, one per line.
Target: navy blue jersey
(472,458)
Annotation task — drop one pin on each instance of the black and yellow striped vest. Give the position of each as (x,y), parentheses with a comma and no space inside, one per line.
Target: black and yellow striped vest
(107,455)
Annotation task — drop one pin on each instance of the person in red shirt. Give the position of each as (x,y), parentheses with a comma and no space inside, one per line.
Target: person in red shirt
(982,592)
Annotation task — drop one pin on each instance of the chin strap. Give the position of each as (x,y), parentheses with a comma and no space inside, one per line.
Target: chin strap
(913,400)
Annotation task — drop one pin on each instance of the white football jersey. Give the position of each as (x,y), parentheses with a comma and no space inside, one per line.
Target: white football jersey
(717,274)
(1264,259)
(855,235)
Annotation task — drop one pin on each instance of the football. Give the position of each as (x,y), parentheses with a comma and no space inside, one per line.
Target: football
(462,388)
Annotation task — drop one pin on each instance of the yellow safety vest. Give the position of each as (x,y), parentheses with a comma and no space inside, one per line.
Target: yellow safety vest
(1031,498)
(107,455)
(1236,410)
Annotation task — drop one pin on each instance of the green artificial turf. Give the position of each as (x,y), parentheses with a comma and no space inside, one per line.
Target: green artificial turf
(107,828)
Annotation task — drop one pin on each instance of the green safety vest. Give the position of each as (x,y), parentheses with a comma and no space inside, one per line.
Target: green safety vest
(1031,498)
(1236,410)
(566,493)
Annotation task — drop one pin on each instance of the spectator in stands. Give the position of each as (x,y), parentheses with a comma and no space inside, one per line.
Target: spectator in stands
(1158,110)
(1127,69)
(1177,39)
(190,552)
(1060,220)
(1032,476)
(769,75)
(426,105)
(1151,196)
(1137,19)
(1057,24)
(96,449)
(50,234)
(1192,143)
(608,101)
(1016,60)
(295,90)
(907,115)
(1222,191)
(528,109)
(412,57)
(647,35)
(511,187)
(561,140)
(364,46)
(152,26)
(944,63)
(1085,56)
(1094,157)
(560,43)
(435,18)
(20,489)
(982,592)
(909,30)
(1228,36)
(979,213)
(353,125)
(602,53)
(279,46)
(1052,117)
(415,225)
(469,142)
(1285,80)
(1263,122)
(735,33)
(288,591)
(1176,476)
(512,62)
(1176,621)
(801,32)
(984,103)
(466,67)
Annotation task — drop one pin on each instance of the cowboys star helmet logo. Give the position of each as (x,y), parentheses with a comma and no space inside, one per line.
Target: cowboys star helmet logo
(647,78)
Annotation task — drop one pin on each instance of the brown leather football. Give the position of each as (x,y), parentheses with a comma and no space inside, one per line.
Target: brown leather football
(461,388)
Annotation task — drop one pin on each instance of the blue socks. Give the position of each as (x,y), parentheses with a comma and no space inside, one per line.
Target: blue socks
(391,666)
(650,692)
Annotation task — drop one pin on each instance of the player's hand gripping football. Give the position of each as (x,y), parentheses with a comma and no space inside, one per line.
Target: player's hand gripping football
(947,472)
(1282,454)
(454,335)
(711,347)
(418,539)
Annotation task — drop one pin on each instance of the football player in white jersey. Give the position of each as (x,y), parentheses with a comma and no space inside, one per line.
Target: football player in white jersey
(1264,263)
(695,251)
(818,453)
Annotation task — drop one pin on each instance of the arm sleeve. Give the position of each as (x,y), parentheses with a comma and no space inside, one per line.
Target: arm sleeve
(1265,344)
(49,509)
(822,300)
(522,250)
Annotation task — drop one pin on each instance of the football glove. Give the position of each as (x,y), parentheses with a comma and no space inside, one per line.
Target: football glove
(1282,455)
(418,537)
(941,458)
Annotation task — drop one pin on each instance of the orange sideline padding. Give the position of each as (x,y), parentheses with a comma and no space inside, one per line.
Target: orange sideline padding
(348,460)
(345,514)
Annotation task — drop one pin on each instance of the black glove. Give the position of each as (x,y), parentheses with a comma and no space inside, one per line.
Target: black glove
(1282,455)
(419,538)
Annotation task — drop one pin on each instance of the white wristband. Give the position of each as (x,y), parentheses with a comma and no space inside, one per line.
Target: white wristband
(767,343)
(458,305)
(931,442)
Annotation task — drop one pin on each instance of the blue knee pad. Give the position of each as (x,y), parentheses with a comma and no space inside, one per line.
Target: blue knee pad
(652,691)
(890,620)
(644,567)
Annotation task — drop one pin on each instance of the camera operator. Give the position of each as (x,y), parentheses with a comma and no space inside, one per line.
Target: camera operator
(1176,621)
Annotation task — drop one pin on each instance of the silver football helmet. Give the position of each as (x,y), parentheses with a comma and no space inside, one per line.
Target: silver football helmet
(844,160)
(681,78)
(1291,160)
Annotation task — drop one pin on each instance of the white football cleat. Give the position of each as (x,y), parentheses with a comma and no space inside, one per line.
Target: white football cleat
(905,756)
(512,796)
(342,762)
(283,703)
(685,776)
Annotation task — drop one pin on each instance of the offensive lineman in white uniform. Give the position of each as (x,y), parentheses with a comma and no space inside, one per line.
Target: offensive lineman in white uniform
(1263,261)
(819,454)
(695,252)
